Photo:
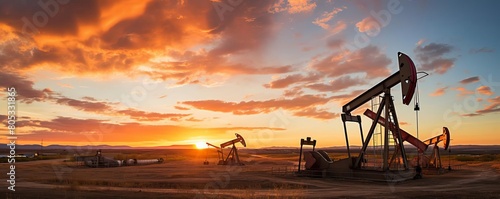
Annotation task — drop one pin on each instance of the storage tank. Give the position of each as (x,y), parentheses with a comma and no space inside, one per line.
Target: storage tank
(148,161)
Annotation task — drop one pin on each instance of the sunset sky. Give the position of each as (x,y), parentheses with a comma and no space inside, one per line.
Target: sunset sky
(166,72)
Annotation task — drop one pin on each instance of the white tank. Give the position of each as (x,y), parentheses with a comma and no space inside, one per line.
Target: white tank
(148,161)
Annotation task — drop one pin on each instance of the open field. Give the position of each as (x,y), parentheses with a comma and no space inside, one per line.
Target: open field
(267,174)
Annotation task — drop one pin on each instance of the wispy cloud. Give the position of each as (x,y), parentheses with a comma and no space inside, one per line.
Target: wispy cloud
(324,21)
(368,25)
(299,106)
(420,42)
(493,106)
(462,91)
(68,129)
(481,50)
(470,80)
(338,84)
(439,92)
(484,90)
(91,37)
(368,60)
(432,57)
(293,79)
(24,87)
(293,6)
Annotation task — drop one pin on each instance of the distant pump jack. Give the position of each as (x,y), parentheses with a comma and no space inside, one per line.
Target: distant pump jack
(232,157)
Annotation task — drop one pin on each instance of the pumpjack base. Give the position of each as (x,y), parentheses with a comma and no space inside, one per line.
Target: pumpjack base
(434,171)
(342,169)
(222,162)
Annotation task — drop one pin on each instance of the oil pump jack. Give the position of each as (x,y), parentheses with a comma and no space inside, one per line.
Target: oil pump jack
(232,157)
(407,77)
(219,153)
(352,167)
(435,158)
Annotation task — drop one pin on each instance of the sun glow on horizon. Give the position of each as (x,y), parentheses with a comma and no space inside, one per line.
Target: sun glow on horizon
(201,145)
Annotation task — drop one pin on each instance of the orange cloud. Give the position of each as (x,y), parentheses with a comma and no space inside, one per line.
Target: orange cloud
(83,105)
(66,129)
(90,37)
(150,116)
(299,105)
(298,6)
(324,20)
(315,113)
(293,79)
(368,25)
(420,42)
(339,27)
(293,6)
(492,107)
(294,92)
(181,108)
(463,91)
(338,84)
(403,123)
(485,90)
(192,119)
(106,108)
(438,92)
(369,60)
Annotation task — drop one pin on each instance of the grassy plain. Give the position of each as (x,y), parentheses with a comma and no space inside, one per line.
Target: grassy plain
(267,174)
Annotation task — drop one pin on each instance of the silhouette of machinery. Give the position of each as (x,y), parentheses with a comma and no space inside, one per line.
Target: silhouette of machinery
(435,158)
(353,167)
(98,160)
(427,162)
(232,157)
(303,142)
(219,153)
(407,77)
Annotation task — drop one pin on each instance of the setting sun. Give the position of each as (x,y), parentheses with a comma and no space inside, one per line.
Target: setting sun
(201,145)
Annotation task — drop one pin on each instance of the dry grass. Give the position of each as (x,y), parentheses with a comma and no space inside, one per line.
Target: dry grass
(184,172)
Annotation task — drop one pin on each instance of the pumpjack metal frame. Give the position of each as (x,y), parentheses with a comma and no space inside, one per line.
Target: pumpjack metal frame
(232,157)
(407,76)
(303,142)
(435,159)
(219,153)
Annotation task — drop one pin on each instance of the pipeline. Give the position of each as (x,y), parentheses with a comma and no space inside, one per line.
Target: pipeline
(100,161)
